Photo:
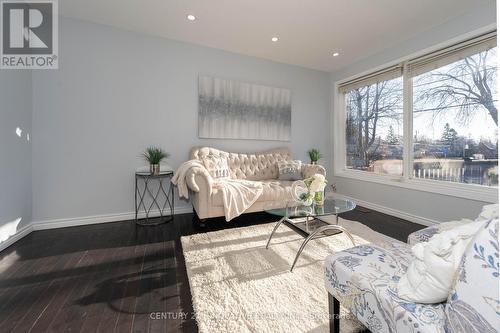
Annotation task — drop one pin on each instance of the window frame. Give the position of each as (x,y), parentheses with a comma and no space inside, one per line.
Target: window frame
(338,162)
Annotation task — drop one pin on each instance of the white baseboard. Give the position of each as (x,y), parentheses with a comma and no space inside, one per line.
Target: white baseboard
(24,231)
(78,221)
(96,219)
(105,218)
(391,211)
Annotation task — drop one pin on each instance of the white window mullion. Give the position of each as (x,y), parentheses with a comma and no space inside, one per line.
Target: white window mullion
(342,132)
(339,134)
(407,125)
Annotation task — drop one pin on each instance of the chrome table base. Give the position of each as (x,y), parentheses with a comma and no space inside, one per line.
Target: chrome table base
(308,237)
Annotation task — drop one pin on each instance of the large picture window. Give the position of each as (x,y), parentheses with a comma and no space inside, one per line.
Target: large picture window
(429,119)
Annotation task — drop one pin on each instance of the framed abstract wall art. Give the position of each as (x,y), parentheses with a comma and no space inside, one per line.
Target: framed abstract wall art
(230,109)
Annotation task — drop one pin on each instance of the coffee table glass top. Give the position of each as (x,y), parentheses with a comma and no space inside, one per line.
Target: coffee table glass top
(291,209)
(307,220)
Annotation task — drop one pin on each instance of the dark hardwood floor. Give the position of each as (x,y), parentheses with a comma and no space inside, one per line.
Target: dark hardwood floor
(117,276)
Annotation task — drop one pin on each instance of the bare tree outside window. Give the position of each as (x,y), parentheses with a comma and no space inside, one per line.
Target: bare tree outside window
(466,86)
(455,121)
(374,115)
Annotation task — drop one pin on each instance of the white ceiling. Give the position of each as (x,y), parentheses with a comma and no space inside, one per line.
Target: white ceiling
(309,31)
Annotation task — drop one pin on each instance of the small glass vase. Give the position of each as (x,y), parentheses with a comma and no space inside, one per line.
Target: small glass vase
(319,198)
(308,201)
(319,210)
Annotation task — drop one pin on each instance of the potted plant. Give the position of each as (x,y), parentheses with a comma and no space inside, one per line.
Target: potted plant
(154,155)
(314,155)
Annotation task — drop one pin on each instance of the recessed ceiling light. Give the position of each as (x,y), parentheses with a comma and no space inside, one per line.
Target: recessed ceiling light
(274,39)
(191,17)
(336,54)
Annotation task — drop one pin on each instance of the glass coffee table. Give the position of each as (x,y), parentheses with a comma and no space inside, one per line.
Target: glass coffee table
(309,224)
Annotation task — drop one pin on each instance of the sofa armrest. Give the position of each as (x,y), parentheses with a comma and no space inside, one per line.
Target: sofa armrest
(311,169)
(199,180)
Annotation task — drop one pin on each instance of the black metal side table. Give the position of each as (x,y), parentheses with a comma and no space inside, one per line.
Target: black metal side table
(160,198)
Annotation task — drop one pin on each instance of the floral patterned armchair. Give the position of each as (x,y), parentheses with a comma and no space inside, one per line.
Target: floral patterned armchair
(365,278)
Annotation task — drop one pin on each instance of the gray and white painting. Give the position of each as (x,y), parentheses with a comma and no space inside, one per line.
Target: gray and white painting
(230,109)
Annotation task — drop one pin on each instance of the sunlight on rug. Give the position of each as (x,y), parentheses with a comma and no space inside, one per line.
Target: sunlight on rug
(239,286)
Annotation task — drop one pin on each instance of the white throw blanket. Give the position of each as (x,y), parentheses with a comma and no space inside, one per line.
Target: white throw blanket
(179,178)
(237,194)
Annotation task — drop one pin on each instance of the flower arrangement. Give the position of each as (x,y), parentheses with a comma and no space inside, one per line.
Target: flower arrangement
(316,186)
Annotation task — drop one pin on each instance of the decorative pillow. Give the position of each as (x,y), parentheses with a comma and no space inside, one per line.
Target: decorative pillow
(489,212)
(473,304)
(217,166)
(430,276)
(290,170)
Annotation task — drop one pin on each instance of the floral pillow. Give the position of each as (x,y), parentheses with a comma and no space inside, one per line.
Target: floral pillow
(473,304)
(217,166)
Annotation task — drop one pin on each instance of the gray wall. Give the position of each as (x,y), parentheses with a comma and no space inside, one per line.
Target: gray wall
(428,205)
(117,92)
(15,152)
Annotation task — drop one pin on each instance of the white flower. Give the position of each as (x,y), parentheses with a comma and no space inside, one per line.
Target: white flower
(318,183)
(315,186)
(319,177)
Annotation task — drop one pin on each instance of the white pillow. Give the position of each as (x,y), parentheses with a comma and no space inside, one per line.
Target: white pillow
(489,212)
(430,276)
(452,224)
(217,166)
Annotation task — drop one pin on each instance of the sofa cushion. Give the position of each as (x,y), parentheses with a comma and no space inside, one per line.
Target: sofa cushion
(473,304)
(364,279)
(290,170)
(273,190)
(255,166)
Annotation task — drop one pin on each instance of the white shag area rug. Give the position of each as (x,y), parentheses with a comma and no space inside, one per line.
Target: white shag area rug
(238,285)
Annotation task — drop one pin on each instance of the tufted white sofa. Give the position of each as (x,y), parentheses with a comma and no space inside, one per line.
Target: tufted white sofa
(207,199)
